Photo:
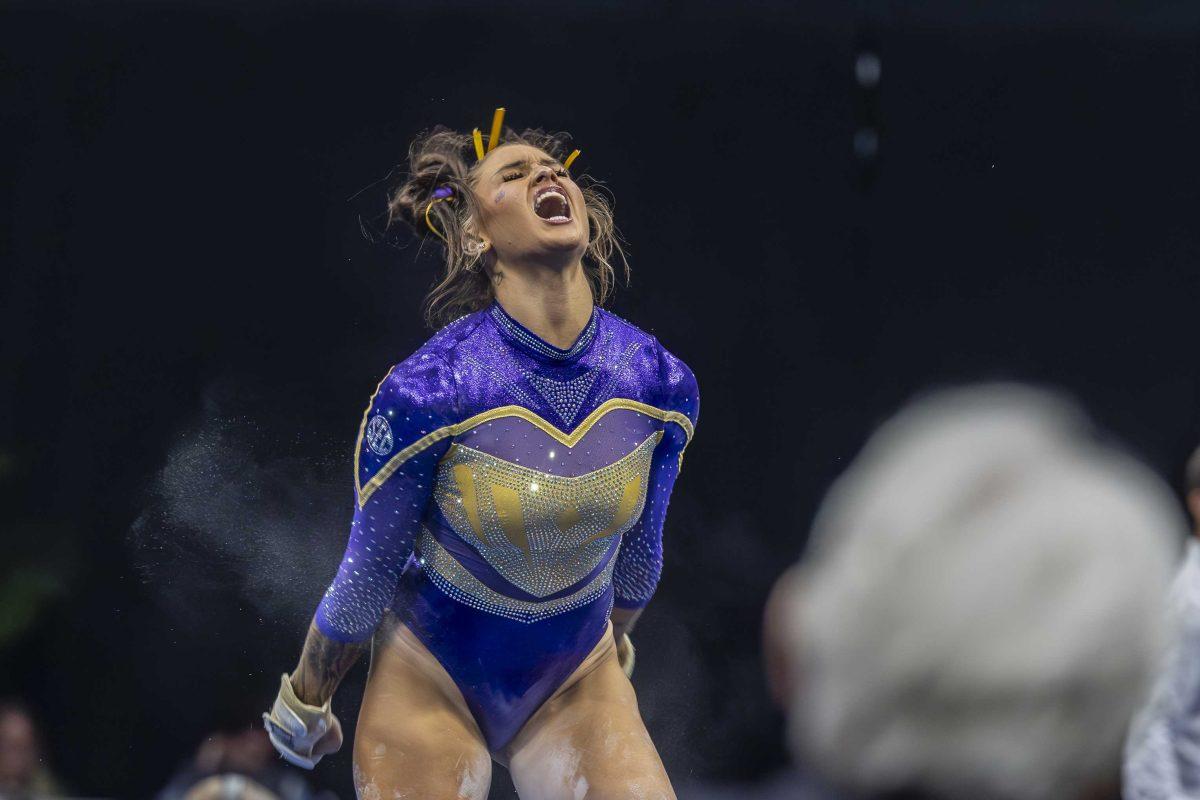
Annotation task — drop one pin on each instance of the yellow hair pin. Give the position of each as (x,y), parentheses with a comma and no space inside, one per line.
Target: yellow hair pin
(497,124)
(493,138)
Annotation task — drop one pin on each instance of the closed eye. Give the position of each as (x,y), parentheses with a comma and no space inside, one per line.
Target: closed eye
(512,176)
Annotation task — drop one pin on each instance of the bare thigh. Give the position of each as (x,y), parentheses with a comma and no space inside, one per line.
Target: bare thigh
(415,738)
(588,740)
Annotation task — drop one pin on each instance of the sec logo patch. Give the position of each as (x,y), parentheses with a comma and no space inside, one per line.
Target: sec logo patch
(379,436)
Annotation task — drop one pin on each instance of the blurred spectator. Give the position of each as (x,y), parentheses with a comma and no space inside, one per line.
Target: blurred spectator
(1192,478)
(23,770)
(980,611)
(238,765)
(229,787)
(1162,759)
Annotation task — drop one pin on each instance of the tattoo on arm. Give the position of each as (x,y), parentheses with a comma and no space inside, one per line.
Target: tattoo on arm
(323,664)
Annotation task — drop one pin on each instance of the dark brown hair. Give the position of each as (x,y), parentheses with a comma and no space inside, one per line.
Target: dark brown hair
(443,157)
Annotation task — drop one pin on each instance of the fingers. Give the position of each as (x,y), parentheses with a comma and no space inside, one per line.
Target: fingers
(331,742)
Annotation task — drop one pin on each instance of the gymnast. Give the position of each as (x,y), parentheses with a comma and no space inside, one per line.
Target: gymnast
(511,480)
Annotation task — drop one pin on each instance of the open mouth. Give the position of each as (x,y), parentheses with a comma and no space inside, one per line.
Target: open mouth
(551,205)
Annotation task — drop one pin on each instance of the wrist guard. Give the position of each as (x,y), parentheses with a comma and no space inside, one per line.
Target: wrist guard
(625,655)
(295,726)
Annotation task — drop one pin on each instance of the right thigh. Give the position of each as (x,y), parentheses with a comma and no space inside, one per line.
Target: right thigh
(415,736)
(588,740)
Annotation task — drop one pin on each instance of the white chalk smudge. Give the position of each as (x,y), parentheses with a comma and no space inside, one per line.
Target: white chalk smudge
(476,779)
(363,787)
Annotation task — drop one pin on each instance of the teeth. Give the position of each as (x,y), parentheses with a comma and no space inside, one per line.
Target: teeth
(546,194)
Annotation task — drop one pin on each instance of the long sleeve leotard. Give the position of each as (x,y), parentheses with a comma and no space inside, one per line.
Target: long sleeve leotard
(508,493)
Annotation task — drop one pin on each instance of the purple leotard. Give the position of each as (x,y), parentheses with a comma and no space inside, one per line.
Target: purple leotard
(508,494)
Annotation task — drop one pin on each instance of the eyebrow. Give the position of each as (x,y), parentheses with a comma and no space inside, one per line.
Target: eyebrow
(524,161)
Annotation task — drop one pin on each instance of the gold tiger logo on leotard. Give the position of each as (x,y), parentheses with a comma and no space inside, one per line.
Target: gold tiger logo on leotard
(540,531)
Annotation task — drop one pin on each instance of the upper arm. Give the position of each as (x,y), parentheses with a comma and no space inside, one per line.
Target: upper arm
(409,418)
(639,561)
(403,433)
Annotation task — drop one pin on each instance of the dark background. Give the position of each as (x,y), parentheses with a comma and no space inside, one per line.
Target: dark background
(193,318)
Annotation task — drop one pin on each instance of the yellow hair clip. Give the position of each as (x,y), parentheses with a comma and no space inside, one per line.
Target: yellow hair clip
(497,123)
(493,138)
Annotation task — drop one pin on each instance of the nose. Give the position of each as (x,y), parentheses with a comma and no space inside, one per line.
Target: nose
(542,173)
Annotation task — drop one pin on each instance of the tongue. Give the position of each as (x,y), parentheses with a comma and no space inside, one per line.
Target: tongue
(552,206)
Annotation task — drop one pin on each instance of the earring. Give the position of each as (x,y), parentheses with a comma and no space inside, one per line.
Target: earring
(476,249)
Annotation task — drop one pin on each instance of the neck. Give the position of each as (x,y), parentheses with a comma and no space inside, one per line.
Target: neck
(555,303)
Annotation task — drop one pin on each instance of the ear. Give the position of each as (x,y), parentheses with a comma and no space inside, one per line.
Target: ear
(475,227)
(475,230)
(1193,504)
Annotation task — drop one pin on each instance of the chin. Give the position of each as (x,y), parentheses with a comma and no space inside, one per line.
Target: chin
(558,241)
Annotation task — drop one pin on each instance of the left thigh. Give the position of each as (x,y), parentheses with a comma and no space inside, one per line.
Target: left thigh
(589,740)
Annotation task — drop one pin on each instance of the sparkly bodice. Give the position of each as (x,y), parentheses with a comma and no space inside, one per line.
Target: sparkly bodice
(504,477)
(541,531)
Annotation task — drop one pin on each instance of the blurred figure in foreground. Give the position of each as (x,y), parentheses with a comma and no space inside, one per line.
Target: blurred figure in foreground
(237,764)
(1162,758)
(981,608)
(23,771)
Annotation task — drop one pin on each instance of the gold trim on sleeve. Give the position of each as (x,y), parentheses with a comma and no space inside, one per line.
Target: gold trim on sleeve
(362,429)
(398,460)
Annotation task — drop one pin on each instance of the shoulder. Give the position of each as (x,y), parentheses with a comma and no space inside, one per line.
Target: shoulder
(411,410)
(678,384)
(425,381)
(450,337)
(628,334)
(439,350)
(427,377)
(627,329)
(677,389)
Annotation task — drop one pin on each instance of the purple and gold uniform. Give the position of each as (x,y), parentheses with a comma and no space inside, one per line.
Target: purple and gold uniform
(508,494)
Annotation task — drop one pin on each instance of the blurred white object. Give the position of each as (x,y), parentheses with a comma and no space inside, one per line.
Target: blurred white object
(983,603)
(1162,758)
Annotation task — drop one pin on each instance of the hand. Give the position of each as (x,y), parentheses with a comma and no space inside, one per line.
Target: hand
(331,742)
(302,734)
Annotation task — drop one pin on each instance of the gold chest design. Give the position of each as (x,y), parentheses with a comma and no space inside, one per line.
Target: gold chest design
(541,532)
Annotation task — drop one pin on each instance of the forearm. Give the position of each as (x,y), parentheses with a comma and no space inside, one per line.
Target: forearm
(323,664)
